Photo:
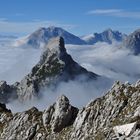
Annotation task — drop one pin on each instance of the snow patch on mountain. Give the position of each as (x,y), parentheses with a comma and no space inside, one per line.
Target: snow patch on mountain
(109,36)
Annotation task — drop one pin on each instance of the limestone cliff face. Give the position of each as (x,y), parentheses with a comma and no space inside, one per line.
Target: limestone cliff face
(116,115)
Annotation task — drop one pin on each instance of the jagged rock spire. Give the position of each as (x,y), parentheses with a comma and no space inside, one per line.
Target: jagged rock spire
(55,66)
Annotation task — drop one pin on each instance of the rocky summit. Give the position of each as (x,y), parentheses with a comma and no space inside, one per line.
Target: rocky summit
(109,36)
(114,116)
(55,66)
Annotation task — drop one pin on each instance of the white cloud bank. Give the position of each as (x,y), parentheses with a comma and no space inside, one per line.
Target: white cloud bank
(101,58)
(107,60)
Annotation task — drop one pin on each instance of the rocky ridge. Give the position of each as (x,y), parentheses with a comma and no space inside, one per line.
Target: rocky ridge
(109,36)
(116,115)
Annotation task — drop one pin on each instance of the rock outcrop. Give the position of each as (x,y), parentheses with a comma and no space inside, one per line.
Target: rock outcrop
(111,117)
(59,115)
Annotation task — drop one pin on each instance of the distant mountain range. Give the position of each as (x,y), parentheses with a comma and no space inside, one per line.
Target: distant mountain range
(41,37)
(108,36)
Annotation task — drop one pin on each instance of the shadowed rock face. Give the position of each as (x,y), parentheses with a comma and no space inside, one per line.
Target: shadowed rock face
(55,66)
(100,119)
(7,92)
(132,42)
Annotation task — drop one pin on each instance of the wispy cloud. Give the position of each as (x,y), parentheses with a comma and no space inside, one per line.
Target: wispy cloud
(28,27)
(104,11)
(116,13)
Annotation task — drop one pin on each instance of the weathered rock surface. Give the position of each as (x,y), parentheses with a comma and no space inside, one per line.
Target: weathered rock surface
(59,115)
(111,117)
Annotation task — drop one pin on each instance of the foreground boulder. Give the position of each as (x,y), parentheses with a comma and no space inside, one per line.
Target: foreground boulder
(126,129)
(59,115)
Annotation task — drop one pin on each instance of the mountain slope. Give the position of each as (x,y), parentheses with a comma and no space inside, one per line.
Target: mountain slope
(54,67)
(107,36)
(41,37)
(116,115)
(132,42)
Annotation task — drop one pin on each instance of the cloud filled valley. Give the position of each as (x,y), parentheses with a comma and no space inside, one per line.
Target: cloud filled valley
(108,60)
(103,59)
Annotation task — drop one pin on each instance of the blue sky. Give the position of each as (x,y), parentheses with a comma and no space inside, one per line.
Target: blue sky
(80,17)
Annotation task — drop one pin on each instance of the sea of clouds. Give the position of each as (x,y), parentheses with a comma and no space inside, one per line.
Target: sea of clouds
(111,61)
(106,60)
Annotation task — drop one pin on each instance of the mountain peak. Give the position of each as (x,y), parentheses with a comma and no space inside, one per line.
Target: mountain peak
(56,44)
(108,36)
(54,28)
(108,30)
(55,65)
(50,29)
(41,37)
